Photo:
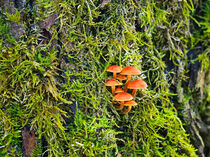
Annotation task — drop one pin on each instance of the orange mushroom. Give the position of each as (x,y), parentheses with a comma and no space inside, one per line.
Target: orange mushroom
(129,104)
(112,83)
(119,90)
(122,97)
(136,84)
(121,78)
(115,69)
(129,71)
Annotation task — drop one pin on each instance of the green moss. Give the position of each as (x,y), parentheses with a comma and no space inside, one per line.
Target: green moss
(35,91)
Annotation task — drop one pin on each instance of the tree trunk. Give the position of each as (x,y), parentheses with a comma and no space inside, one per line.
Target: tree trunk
(190,92)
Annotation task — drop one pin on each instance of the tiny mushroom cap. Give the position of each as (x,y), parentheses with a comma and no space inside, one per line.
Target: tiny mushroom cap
(129,71)
(123,96)
(129,104)
(121,77)
(115,69)
(113,83)
(119,90)
(136,84)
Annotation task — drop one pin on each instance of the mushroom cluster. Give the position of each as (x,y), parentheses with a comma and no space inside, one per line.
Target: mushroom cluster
(122,98)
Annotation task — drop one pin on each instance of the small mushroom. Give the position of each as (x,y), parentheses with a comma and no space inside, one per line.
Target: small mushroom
(135,85)
(121,78)
(123,96)
(119,90)
(115,69)
(112,83)
(129,104)
(129,71)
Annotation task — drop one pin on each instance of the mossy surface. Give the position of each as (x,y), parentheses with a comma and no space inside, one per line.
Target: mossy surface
(53,77)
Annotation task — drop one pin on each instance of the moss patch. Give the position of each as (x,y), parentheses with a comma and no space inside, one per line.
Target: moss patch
(53,78)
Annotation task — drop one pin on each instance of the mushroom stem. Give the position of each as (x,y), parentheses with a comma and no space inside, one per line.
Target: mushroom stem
(127,110)
(113,90)
(129,77)
(128,80)
(121,106)
(114,75)
(134,92)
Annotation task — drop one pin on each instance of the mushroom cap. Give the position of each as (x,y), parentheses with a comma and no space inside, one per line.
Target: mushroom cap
(114,68)
(123,96)
(121,77)
(137,84)
(119,90)
(130,103)
(130,70)
(112,83)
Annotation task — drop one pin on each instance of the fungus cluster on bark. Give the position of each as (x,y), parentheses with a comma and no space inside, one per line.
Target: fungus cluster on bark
(120,95)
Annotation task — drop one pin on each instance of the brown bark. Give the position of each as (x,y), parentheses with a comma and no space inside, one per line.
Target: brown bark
(29,141)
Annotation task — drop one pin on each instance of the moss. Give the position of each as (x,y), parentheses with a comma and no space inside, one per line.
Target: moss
(70,107)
